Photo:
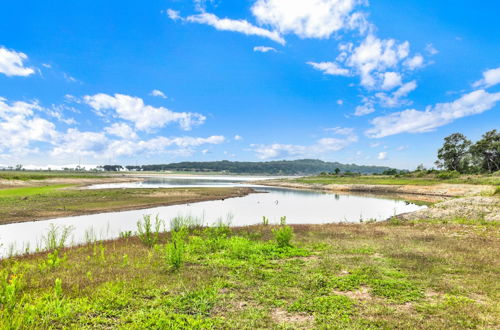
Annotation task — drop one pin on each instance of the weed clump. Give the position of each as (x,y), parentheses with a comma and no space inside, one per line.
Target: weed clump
(148,232)
(283,234)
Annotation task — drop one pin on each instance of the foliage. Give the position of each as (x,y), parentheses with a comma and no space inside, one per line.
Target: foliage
(147,231)
(454,154)
(459,154)
(487,152)
(174,250)
(283,234)
(56,237)
(282,167)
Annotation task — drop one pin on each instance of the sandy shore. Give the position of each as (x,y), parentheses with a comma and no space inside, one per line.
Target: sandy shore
(475,202)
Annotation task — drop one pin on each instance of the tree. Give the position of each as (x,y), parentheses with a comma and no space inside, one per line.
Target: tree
(486,151)
(337,171)
(454,155)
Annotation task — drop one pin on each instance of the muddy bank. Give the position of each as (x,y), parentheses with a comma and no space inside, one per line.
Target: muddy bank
(439,190)
(472,208)
(82,202)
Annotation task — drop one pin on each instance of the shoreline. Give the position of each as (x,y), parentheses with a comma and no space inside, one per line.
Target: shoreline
(154,193)
(439,190)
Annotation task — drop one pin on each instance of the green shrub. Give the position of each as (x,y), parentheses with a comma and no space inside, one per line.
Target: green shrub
(147,234)
(174,251)
(283,234)
(446,175)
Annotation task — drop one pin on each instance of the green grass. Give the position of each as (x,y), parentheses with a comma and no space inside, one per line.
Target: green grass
(402,180)
(414,275)
(43,175)
(30,191)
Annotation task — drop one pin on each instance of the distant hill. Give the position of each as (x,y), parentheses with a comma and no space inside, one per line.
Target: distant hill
(281,167)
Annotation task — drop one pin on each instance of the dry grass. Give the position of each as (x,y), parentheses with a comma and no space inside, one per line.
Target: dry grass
(389,275)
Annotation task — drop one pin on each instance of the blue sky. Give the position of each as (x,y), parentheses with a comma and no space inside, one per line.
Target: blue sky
(380,82)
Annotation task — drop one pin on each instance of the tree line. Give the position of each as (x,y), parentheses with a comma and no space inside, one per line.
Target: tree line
(282,167)
(460,154)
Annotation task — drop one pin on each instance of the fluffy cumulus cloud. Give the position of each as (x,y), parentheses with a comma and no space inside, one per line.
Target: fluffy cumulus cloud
(415,121)
(307,19)
(490,78)
(264,49)
(320,147)
(144,117)
(121,130)
(241,26)
(24,131)
(12,63)
(21,125)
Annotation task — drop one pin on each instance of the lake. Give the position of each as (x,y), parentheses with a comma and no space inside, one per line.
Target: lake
(299,207)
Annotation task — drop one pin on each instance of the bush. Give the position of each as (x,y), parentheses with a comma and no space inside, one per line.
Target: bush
(147,234)
(174,251)
(445,175)
(284,234)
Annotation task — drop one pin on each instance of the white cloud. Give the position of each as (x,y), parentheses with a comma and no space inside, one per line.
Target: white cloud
(121,130)
(145,117)
(158,93)
(366,108)
(173,14)
(330,68)
(415,62)
(264,49)
(382,155)
(374,55)
(429,48)
(238,137)
(340,102)
(75,142)
(321,146)
(396,99)
(490,78)
(414,121)
(341,130)
(20,126)
(12,63)
(308,19)
(242,26)
(391,80)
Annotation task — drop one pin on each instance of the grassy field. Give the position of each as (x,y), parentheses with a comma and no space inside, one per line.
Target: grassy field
(381,275)
(30,203)
(43,175)
(30,191)
(399,180)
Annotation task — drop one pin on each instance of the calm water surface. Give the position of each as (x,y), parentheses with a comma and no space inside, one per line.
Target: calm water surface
(300,207)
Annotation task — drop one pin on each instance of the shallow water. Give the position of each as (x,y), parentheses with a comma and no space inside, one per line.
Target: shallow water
(300,207)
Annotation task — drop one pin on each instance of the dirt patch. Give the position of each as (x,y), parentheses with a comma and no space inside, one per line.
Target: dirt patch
(302,320)
(362,294)
(474,207)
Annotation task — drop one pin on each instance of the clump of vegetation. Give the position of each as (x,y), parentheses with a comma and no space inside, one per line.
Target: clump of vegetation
(56,237)
(265,221)
(283,234)
(147,231)
(174,251)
